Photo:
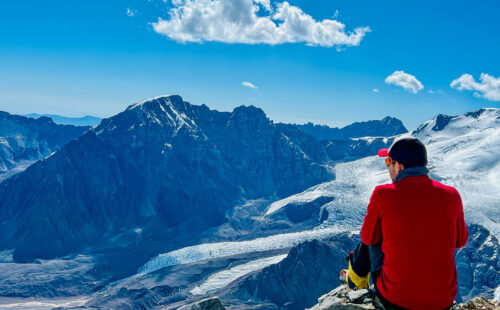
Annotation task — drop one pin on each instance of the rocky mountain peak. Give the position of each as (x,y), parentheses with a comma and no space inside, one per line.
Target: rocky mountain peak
(168,112)
(441,122)
(249,111)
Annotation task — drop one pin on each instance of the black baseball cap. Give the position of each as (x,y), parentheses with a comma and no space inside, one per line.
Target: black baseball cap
(408,151)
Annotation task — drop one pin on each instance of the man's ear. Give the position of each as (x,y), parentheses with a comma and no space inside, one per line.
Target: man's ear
(401,166)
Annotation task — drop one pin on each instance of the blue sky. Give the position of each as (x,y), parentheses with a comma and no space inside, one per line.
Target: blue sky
(96,57)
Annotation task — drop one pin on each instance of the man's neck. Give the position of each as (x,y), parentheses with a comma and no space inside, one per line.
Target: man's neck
(411,172)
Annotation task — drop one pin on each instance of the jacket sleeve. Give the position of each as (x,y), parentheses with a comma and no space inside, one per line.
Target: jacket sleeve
(371,231)
(462,233)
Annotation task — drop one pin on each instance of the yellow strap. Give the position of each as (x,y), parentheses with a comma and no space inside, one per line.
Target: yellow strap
(360,282)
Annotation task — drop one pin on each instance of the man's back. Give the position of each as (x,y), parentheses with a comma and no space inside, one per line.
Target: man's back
(420,222)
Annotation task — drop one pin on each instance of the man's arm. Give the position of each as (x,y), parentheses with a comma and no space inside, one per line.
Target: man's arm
(462,233)
(371,231)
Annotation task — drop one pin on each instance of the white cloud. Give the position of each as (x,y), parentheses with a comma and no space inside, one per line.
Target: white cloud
(488,88)
(249,85)
(430,91)
(265,3)
(131,13)
(375,90)
(405,80)
(237,21)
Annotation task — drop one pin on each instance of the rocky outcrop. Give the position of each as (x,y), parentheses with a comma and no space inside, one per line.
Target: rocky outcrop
(306,213)
(344,298)
(478,264)
(205,304)
(347,299)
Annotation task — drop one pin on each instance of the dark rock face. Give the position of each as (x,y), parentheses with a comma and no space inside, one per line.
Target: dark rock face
(387,127)
(303,212)
(475,114)
(310,270)
(441,122)
(206,304)
(26,139)
(161,163)
(478,265)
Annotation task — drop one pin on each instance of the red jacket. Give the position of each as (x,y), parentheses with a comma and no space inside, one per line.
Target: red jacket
(420,223)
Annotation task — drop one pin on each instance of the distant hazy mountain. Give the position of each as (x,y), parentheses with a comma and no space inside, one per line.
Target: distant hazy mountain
(163,165)
(24,140)
(387,127)
(63,120)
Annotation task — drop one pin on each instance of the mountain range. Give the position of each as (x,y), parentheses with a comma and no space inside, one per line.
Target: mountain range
(387,127)
(168,203)
(163,163)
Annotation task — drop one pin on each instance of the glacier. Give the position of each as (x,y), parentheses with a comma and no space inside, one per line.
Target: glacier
(222,249)
(221,279)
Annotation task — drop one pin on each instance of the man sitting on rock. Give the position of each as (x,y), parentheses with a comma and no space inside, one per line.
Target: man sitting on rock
(409,235)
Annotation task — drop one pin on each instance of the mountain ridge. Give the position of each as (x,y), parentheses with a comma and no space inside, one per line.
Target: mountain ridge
(24,140)
(160,161)
(386,127)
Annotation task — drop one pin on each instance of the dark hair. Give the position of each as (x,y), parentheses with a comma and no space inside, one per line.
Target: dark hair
(409,151)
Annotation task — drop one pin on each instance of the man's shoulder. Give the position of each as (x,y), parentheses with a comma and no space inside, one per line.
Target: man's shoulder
(443,187)
(384,190)
(385,187)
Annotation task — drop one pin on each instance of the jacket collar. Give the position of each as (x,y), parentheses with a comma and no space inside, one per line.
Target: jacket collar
(411,172)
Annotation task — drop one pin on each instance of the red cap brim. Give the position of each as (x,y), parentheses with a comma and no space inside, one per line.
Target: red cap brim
(383,152)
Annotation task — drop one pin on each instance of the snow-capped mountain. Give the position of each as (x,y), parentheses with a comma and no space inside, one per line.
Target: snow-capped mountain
(25,140)
(160,171)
